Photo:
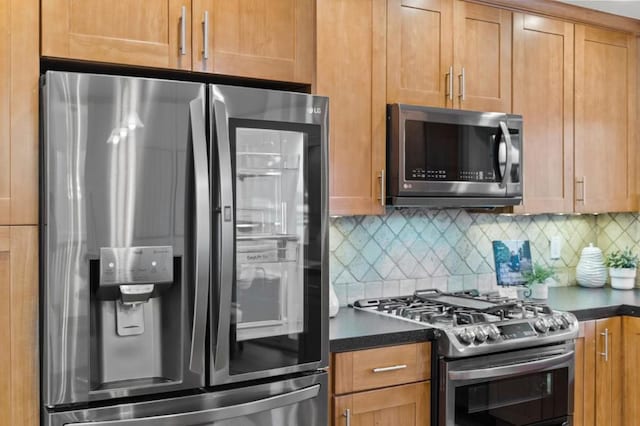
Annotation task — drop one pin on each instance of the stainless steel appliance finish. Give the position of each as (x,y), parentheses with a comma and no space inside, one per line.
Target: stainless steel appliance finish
(500,361)
(473,324)
(524,387)
(154,215)
(300,401)
(125,237)
(450,158)
(271,150)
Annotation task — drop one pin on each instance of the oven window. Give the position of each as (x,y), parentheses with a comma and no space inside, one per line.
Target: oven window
(524,400)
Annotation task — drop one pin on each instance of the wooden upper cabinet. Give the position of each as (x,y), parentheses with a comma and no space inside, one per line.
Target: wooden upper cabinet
(608,380)
(605,117)
(543,94)
(265,39)
(154,33)
(482,57)
(419,52)
(351,71)
(449,53)
(19,70)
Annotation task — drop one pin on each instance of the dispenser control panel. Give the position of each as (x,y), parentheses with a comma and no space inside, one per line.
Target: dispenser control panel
(136,265)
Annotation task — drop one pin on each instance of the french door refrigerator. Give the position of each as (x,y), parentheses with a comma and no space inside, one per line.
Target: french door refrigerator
(183,254)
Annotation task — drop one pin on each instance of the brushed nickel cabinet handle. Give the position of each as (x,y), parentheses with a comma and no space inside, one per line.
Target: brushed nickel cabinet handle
(450,83)
(583,191)
(391,368)
(462,85)
(347,416)
(183,31)
(205,34)
(383,194)
(605,354)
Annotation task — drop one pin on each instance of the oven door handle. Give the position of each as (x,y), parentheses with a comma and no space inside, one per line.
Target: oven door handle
(512,370)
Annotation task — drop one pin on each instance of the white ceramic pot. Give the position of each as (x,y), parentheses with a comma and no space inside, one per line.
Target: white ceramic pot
(540,291)
(591,271)
(334,303)
(622,278)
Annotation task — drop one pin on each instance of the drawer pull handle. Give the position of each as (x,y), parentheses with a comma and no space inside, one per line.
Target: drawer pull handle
(391,368)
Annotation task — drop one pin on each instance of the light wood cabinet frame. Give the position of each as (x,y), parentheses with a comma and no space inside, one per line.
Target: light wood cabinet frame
(19,373)
(19,70)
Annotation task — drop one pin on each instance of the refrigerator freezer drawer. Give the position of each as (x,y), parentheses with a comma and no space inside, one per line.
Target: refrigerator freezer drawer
(300,401)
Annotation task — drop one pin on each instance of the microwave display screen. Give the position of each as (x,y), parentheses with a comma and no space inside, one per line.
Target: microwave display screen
(450,152)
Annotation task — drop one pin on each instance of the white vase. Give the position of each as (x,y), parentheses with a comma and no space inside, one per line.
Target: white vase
(622,278)
(334,303)
(540,291)
(591,271)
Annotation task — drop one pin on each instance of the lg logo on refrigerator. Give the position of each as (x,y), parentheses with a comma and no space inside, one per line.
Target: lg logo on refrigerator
(314,110)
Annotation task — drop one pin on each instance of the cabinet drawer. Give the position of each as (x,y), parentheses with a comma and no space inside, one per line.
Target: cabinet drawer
(377,368)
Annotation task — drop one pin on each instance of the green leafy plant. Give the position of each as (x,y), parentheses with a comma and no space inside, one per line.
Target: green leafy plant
(538,274)
(622,259)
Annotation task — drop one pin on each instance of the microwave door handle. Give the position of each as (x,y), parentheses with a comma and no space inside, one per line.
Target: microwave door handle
(225,234)
(218,413)
(512,370)
(509,161)
(202,235)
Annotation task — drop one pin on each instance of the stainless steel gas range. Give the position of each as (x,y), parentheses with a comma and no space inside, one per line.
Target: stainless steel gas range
(497,361)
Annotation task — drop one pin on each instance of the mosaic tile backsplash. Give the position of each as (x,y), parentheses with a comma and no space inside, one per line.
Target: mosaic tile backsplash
(409,249)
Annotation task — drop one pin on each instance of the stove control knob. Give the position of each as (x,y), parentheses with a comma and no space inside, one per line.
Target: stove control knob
(481,334)
(493,333)
(561,322)
(567,319)
(466,336)
(553,324)
(541,325)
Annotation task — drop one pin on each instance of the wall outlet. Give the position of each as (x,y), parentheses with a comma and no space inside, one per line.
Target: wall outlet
(555,247)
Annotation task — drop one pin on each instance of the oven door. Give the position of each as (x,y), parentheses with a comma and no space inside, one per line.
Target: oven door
(527,387)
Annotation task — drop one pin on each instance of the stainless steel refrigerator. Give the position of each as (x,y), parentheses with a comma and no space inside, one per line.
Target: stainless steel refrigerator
(183,254)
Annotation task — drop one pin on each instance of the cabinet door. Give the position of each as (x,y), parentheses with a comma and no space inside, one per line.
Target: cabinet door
(605,111)
(19,378)
(406,405)
(19,70)
(631,350)
(608,372)
(354,80)
(266,39)
(154,33)
(482,57)
(545,99)
(419,52)
(584,377)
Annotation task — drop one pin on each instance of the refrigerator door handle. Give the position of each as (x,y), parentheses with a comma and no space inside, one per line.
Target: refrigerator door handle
(220,364)
(216,414)
(202,235)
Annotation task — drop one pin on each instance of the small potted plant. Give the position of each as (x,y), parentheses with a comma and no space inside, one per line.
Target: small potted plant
(622,268)
(538,280)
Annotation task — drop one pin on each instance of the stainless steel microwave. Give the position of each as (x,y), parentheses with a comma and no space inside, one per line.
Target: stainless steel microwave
(439,157)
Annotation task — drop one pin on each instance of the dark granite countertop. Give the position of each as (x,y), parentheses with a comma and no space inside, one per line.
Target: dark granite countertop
(352,329)
(595,303)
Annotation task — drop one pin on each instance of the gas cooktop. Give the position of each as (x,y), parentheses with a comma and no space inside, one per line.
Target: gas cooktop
(473,323)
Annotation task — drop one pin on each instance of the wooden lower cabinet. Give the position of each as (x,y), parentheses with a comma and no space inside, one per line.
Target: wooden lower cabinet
(631,380)
(406,405)
(19,379)
(386,386)
(598,392)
